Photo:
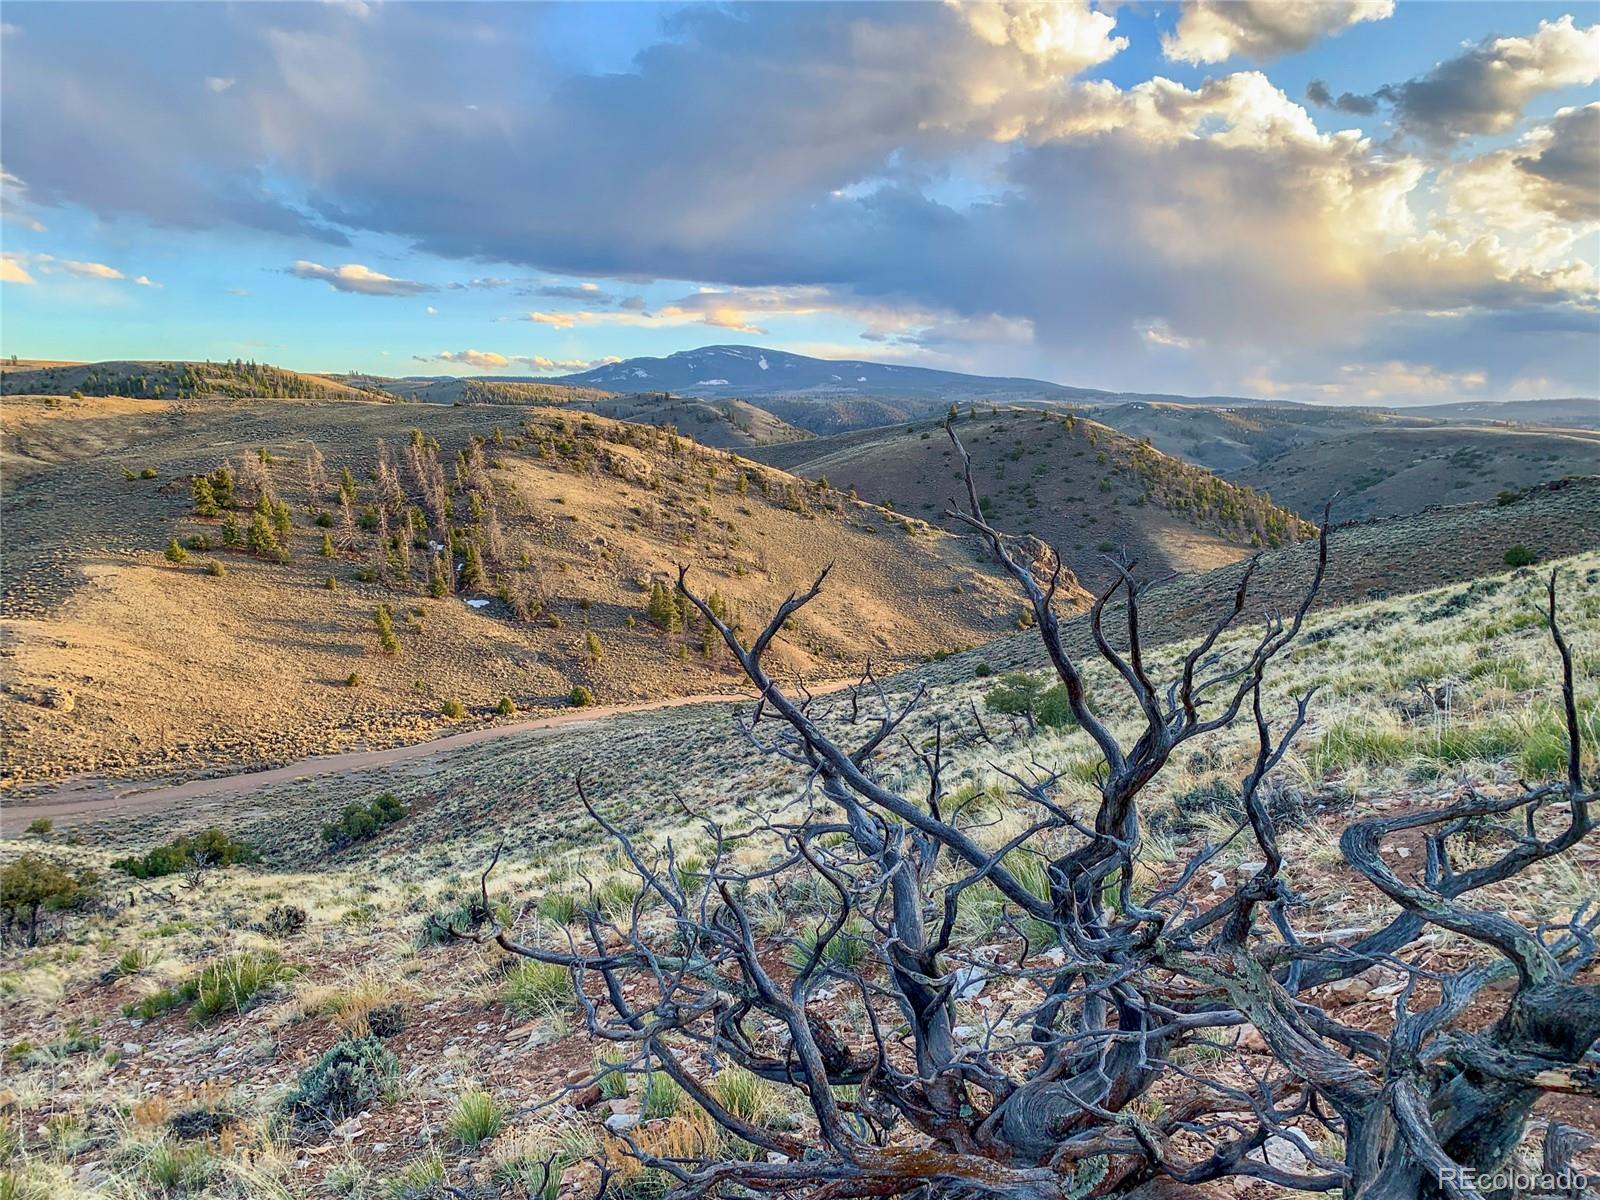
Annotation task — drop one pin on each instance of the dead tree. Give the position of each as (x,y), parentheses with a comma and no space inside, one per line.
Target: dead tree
(1124,988)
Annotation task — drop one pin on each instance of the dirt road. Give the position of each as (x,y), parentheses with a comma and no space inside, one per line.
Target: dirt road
(97,799)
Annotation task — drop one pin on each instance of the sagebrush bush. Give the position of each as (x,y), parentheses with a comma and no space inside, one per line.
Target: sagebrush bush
(351,1075)
(580,697)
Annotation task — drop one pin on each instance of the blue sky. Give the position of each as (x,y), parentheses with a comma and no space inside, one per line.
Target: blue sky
(1349,202)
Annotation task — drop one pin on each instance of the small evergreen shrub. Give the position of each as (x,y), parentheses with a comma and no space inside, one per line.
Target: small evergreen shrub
(454,710)
(350,1077)
(1520,556)
(506,708)
(363,820)
(176,554)
(580,697)
(212,847)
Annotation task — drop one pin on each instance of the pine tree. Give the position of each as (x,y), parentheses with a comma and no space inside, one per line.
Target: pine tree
(205,498)
(259,538)
(282,520)
(222,485)
(438,582)
(386,635)
(591,642)
(327,546)
(176,554)
(663,609)
(347,485)
(472,568)
(231,534)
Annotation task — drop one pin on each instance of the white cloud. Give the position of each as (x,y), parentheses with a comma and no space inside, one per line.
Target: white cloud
(217,85)
(432,311)
(355,278)
(1210,31)
(486,360)
(49,264)
(12,271)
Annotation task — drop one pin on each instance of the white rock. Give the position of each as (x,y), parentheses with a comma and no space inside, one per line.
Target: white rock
(774,1157)
(967,982)
(1281,1153)
(621,1122)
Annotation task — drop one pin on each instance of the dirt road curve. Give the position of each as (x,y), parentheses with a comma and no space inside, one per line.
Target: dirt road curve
(98,799)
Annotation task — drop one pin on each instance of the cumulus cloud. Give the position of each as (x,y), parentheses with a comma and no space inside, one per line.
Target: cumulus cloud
(364,281)
(1211,31)
(216,84)
(12,271)
(1551,177)
(1485,89)
(562,366)
(486,360)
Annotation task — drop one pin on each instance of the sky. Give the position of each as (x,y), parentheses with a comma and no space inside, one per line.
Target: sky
(1364,201)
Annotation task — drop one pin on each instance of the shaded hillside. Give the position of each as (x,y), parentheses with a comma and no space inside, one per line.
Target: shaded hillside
(752,371)
(1368,560)
(560,525)
(1398,470)
(1232,439)
(1080,486)
(728,424)
(180,381)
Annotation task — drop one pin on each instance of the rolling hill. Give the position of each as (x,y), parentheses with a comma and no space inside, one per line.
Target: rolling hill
(157,380)
(727,424)
(1229,439)
(573,520)
(1082,487)
(1390,470)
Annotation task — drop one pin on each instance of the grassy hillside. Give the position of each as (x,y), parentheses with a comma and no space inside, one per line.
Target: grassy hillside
(1234,439)
(560,527)
(179,381)
(1397,470)
(728,424)
(450,390)
(1080,486)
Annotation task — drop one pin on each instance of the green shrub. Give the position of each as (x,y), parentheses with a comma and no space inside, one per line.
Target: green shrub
(41,825)
(212,848)
(148,473)
(178,1169)
(580,697)
(591,642)
(215,569)
(351,1075)
(534,988)
(506,708)
(361,821)
(196,541)
(1520,556)
(453,709)
(422,1178)
(32,885)
(982,671)
(176,554)
(477,1117)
